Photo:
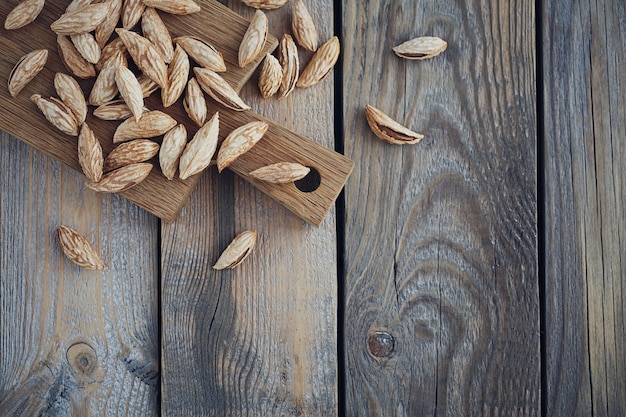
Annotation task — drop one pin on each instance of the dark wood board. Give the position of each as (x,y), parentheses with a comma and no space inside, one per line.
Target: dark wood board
(441,291)
(584,54)
(72,341)
(260,339)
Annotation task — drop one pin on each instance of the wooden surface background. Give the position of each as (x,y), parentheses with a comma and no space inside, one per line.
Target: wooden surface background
(477,273)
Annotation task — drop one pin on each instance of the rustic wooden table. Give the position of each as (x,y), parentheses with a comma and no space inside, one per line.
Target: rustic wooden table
(479,272)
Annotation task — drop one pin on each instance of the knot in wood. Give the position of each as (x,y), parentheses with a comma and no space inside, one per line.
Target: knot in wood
(82,358)
(380,344)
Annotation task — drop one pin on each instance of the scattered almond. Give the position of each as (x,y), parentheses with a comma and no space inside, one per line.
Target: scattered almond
(254,39)
(82,20)
(303,27)
(421,48)
(180,7)
(73,60)
(131,13)
(388,129)
(172,147)
(87,47)
(71,94)
(26,69)
(130,90)
(145,55)
(270,77)
(155,31)
(122,178)
(194,103)
(320,64)
(151,124)
(78,249)
(217,87)
(108,25)
(138,150)
(105,87)
(23,14)
(199,151)
(288,57)
(90,154)
(178,73)
(114,110)
(238,250)
(202,52)
(57,113)
(281,172)
(240,141)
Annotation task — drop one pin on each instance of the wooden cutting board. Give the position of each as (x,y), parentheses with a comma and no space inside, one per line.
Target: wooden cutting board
(224,29)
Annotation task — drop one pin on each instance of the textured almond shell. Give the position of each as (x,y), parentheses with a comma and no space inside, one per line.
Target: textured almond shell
(130,90)
(146,56)
(87,47)
(138,150)
(240,141)
(421,48)
(105,87)
(270,77)
(131,12)
(151,124)
(265,4)
(254,39)
(26,69)
(289,61)
(303,27)
(90,154)
(122,178)
(199,151)
(238,250)
(180,7)
(73,60)
(114,110)
(78,249)
(109,50)
(57,113)
(147,85)
(172,147)
(388,129)
(178,73)
(202,52)
(217,87)
(69,91)
(320,64)
(155,31)
(106,28)
(23,14)
(82,20)
(281,172)
(195,103)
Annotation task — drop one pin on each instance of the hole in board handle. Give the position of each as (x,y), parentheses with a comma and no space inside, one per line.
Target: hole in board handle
(309,183)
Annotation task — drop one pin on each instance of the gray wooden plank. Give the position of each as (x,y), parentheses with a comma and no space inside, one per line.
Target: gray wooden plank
(260,339)
(584,55)
(441,296)
(72,341)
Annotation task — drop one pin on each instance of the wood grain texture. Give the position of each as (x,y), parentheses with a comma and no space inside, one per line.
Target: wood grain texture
(260,339)
(215,23)
(585,123)
(73,341)
(441,298)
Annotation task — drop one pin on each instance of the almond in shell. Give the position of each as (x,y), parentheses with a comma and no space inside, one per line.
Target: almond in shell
(281,172)
(82,20)
(73,60)
(320,64)
(178,73)
(146,56)
(57,113)
(217,87)
(78,249)
(240,141)
(303,27)
(138,150)
(289,61)
(130,90)
(150,124)
(106,28)
(26,69)
(238,250)
(254,39)
(388,129)
(90,154)
(105,87)
(172,147)
(199,151)
(71,94)
(114,110)
(131,12)
(109,50)
(421,48)
(87,46)
(195,103)
(180,7)
(23,14)
(155,31)
(122,178)
(270,77)
(202,52)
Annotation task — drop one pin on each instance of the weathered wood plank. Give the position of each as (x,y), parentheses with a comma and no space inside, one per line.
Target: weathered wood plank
(72,341)
(442,304)
(261,339)
(585,124)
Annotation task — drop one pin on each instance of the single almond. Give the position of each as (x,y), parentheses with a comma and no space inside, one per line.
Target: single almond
(130,90)
(138,150)
(73,60)
(151,124)
(78,249)
(57,113)
(108,25)
(172,147)
(421,48)
(265,4)
(178,73)
(281,172)
(145,55)
(238,250)
(195,103)
(26,69)
(288,57)
(180,7)
(87,47)
(202,52)
(388,129)
(24,13)
(320,64)
(217,87)
(199,151)
(105,87)
(254,39)
(240,141)
(82,20)
(122,178)
(71,94)
(131,13)
(90,154)
(114,110)
(155,31)
(270,77)
(303,27)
